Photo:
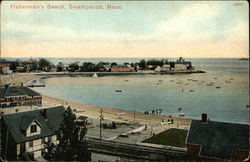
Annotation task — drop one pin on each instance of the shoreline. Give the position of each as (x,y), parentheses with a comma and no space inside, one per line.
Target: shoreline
(139,72)
(109,113)
(19,78)
(113,114)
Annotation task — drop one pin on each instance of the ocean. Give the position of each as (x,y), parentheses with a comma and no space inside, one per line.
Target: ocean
(193,93)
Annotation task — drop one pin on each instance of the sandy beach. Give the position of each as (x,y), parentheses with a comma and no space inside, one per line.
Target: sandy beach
(113,114)
(17,78)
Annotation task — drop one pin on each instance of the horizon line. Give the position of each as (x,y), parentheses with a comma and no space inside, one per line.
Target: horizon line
(128,57)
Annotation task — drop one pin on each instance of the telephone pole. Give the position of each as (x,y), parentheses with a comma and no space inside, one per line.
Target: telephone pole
(101,118)
(134,116)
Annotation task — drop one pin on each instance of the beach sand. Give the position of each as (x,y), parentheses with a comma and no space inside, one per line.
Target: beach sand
(17,78)
(109,113)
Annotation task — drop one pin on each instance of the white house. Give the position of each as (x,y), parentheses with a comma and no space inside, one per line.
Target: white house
(26,132)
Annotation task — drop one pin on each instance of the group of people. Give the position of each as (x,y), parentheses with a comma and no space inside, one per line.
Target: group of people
(154,111)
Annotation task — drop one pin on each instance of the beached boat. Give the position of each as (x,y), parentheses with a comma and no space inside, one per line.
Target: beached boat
(36,85)
(95,75)
(169,115)
(181,114)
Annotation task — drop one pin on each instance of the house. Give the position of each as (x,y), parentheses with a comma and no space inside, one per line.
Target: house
(165,67)
(217,141)
(121,68)
(5,67)
(158,69)
(25,133)
(184,65)
(13,96)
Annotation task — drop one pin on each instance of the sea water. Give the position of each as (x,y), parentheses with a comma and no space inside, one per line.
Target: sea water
(167,92)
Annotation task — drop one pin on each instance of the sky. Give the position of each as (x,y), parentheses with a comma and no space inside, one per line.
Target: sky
(136,29)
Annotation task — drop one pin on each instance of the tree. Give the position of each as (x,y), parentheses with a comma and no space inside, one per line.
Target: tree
(72,144)
(73,67)
(88,66)
(113,64)
(143,64)
(43,63)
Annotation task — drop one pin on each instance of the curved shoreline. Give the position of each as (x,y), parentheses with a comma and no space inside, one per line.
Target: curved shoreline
(110,113)
(140,72)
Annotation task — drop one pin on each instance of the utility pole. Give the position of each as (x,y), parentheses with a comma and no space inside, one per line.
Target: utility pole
(101,118)
(134,116)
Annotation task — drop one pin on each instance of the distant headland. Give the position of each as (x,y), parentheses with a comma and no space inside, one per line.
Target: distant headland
(151,66)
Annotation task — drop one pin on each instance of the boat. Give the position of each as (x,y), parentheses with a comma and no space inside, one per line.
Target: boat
(167,122)
(160,80)
(181,114)
(36,85)
(218,87)
(119,114)
(95,75)
(169,115)
(118,90)
(191,90)
(179,109)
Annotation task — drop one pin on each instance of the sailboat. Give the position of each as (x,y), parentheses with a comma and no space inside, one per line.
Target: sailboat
(95,75)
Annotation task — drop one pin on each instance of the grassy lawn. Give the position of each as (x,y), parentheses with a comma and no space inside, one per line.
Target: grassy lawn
(171,137)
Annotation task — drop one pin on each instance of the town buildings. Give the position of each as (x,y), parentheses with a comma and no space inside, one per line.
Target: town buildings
(25,133)
(13,96)
(121,68)
(5,67)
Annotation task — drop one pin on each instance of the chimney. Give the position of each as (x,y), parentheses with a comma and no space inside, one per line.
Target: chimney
(204,118)
(6,86)
(45,114)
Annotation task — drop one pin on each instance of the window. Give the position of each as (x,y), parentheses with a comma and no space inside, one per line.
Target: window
(43,140)
(49,139)
(33,128)
(31,144)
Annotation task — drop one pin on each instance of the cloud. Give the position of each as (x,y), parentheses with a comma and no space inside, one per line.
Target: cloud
(183,25)
(177,36)
(239,33)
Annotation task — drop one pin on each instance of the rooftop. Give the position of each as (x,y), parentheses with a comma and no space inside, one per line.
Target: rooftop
(218,139)
(8,91)
(17,122)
